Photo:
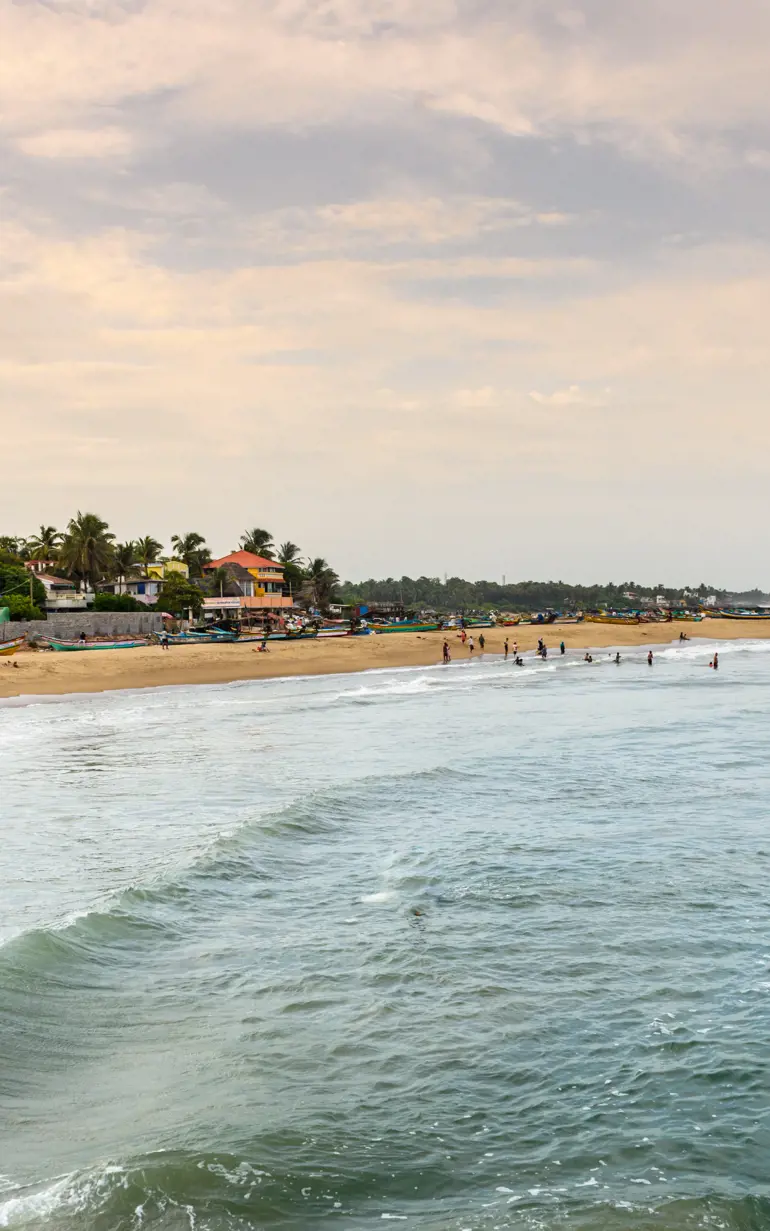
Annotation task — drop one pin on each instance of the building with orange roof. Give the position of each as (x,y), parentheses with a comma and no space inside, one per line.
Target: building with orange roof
(256,581)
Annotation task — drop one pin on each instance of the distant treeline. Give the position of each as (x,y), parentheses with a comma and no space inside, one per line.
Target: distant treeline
(456,594)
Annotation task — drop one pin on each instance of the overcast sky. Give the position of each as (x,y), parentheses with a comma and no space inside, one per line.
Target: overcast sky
(464,286)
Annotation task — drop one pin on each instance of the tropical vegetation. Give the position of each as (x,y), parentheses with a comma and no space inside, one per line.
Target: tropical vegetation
(456,594)
(87,553)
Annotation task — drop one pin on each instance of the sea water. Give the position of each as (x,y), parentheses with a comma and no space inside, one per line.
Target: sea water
(473,946)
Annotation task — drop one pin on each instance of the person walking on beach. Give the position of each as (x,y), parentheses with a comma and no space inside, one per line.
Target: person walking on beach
(164,640)
(447,655)
(506,648)
(470,644)
(562,648)
(482,642)
(463,636)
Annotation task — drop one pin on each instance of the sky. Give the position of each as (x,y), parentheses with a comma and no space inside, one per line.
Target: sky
(468,286)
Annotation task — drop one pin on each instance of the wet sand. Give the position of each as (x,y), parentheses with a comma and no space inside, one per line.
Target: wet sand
(31,672)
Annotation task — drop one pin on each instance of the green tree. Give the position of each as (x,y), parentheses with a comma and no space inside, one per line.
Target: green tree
(288,553)
(192,549)
(322,582)
(258,542)
(178,595)
(117,602)
(15,584)
(45,544)
(148,550)
(218,579)
(11,545)
(124,559)
(87,550)
(21,607)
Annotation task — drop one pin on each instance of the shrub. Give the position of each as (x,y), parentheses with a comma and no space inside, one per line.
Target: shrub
(117,602)
(21,607)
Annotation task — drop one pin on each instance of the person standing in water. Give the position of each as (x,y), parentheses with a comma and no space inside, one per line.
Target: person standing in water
(506,648)
(447,656)
(649,658)
(562,648)
(716,660)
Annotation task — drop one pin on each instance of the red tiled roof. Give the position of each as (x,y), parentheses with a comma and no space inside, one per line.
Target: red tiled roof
(246,559)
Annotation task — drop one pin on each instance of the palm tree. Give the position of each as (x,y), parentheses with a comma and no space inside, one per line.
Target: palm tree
(288,553)
(258,542)
(87,550)
(147,551)
(124,559)
(218,578)
(10,544)
(193,550)
(45,544)
(322,580)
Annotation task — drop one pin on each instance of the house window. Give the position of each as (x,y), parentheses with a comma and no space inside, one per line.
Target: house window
(140,588)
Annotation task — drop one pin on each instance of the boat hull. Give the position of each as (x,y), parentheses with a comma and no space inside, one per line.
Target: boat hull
(77,646)
(407,628)
(607,619)
(10,647)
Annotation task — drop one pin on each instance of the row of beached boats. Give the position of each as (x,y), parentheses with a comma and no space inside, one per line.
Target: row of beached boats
(218,635)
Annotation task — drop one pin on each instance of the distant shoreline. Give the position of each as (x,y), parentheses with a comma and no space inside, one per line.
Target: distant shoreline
(51,674)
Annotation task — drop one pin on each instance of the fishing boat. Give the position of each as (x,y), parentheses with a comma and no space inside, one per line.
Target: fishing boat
(604,618)
(53,644)
(406,628)
(10,647)
(740,615)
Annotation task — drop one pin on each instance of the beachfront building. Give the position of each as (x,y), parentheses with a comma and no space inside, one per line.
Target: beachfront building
(146,588)
(61,595)
(254,587)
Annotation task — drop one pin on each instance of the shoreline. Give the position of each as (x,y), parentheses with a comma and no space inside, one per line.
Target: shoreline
(47,673)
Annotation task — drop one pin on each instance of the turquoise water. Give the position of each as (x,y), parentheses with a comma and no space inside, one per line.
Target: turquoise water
(470,947)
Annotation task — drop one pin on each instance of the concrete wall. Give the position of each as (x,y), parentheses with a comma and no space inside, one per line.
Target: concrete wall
(93,623)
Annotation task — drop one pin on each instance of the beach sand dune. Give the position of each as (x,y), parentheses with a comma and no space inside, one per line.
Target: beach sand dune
(45,672)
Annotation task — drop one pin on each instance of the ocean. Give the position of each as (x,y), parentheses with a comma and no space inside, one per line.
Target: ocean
(475,947)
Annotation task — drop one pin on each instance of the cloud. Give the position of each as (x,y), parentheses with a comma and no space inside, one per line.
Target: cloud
(572,396)
(657,80)
(77,143)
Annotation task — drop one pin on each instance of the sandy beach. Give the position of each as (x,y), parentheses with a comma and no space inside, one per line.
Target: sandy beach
(32,672)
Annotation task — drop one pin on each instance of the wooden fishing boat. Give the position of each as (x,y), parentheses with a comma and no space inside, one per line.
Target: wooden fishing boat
(740,615)
(10,647)
(92,645)
(406,628)
(612,619)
